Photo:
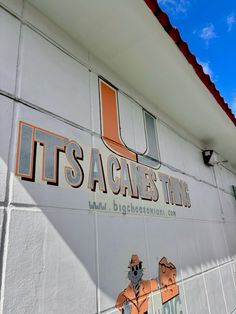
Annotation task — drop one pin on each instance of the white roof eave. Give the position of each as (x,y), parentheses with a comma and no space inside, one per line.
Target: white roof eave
(127,38)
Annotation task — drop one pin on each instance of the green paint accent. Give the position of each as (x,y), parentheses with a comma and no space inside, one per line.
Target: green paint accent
(234,190)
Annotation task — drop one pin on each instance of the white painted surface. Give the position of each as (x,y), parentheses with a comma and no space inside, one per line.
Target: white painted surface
(55,33)
(182,155)
(15,6)
(45,272)
(95,103)
(207,244)
(215,292)
(188,248)
(9,37)
(54,81)
(6,108)
(225,178)
(230,232)
(196,296)
(58,256)
(132,124)
(1,222)
(228,203)
(229,287)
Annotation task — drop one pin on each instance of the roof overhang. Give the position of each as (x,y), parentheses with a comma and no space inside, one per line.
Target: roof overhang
(127,37)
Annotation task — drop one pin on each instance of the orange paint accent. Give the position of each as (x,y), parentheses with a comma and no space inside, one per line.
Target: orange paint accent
(110,122)
(139,305)
(169,288)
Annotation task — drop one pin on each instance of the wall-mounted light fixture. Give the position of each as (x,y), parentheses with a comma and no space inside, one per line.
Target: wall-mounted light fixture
(209,157)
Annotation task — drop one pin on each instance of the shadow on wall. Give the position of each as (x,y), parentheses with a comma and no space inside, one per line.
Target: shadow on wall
(60,255)
(59,250)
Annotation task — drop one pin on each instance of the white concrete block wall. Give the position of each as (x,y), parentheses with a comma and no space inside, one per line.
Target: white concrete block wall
(14,6)
(6,120)
(45,272)
(228,287)
(56,255)
(173,152)
(132,124)
(55,34)
(199,304)
(9,36)
(215,292)
(45,69)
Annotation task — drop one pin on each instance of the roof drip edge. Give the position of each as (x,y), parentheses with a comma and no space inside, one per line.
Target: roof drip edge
(173,32)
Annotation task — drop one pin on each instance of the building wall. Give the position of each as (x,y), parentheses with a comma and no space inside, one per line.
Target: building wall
(58,255)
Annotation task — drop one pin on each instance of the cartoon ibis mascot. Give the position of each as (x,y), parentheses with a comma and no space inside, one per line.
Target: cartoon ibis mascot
(134,298)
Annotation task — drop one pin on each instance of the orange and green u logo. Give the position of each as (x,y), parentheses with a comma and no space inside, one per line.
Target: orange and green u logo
(110,129)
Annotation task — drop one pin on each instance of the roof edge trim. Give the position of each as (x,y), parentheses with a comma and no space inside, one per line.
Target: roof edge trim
(173,32)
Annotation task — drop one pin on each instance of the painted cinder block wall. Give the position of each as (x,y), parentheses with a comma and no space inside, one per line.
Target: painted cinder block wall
(56,255)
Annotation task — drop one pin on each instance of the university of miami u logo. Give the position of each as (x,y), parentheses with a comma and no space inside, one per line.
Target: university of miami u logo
(110,129)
